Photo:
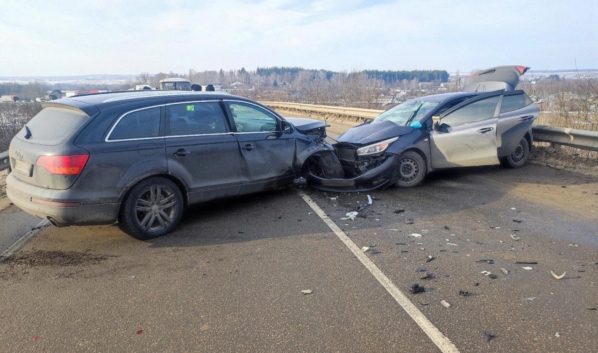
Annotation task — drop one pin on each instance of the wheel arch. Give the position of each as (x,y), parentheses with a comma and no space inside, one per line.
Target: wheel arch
(182,187)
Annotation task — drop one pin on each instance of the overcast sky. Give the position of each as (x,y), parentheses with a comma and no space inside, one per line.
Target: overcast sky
(129,37)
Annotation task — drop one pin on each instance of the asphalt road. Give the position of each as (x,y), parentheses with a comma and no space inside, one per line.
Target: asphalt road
(230,278)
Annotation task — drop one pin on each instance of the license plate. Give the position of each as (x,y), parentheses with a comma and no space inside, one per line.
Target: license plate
(23,168)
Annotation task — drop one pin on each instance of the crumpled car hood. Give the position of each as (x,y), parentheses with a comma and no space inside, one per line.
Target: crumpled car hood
(370,133)
(305,125)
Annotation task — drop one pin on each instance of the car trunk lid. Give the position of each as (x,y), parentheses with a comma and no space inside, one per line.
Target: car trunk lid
(496,78)
(41,155)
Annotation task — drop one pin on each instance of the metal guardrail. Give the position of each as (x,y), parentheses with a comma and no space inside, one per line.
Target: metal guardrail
(582,139)
(4,162)
(352,112)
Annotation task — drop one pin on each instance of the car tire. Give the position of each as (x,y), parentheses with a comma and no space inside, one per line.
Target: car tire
(519,157)
(152,208)
(330,165)
(412,169)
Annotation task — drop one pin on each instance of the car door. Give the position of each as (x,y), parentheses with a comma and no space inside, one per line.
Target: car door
(267,151)
(466,134)
(202,152)
(517,114)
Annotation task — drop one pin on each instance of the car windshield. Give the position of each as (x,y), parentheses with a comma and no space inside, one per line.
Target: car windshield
(406,113)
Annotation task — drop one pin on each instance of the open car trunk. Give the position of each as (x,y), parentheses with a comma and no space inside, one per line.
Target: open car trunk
(496,78)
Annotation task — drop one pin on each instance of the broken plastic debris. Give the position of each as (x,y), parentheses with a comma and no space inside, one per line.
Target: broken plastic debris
(526,262)
(365,248)
(445,304)
(504,270)
(452,244)
(416,288)
(574,245)
(558,276)
(488,336)
(527,268)
(531,299)
(409,221)
(463,293)
(421,269)
(514,237)
(427,276)
(557,335)
(139,332)
(489,261)
(495,227)
(307,291)
(350,216)
(517,220)
(415,235)
(399,211)
(301,182)
(430,258)
(513,208)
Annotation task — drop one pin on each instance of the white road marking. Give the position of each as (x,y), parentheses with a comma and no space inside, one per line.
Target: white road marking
(22,240)
(439,339)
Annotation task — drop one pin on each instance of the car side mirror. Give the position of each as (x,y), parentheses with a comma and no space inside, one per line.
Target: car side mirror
(287,127)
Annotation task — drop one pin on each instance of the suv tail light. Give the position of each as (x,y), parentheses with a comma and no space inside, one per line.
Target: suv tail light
(63,165)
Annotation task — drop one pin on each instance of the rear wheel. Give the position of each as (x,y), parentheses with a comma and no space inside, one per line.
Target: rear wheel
(153,208)
(519,157)
(412,169)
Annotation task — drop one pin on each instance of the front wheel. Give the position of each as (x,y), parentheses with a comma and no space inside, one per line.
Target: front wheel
(153,208)
(412,169)
(519,157)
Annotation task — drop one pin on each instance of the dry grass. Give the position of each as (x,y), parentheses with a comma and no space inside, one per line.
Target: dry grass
(13,116)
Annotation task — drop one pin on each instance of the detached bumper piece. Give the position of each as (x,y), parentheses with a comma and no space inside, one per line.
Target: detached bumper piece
(379,177)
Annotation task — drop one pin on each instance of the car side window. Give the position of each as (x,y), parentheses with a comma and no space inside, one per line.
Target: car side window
(514,102)
(143,123)
(477,111)
(251,118)
(199,118)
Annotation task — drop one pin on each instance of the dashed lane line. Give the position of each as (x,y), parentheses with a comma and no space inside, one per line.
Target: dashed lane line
(439,339)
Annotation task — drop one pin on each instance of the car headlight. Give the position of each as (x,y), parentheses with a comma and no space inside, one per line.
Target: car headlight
(376,147)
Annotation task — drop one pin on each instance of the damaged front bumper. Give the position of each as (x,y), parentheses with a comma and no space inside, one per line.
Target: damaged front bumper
(382,176)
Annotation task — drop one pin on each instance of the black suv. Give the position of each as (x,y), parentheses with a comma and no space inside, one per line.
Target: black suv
(140,158)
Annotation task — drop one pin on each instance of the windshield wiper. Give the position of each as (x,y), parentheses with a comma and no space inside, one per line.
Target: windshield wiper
(413,114)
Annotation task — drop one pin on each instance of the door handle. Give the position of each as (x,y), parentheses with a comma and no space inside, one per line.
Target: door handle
(485,130)
(525,118)
(181,152)
(248,146)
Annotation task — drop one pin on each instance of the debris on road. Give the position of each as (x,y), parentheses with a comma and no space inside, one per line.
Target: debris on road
(430,258)
(526,262)
(489,261)
(530,299)
(517,220)
(350,216)
(300,182)
(445,304)
(365,248)
(416,288)
(514,237)
(527,268)
(489,274)
(488,336)
(558,276)
(557,335)
(452,244)
(399,210)
(463,293)
(415,235)
(365,205)
(494,227)
(447,228)
(409,221)
(504,270)
(421,269)
(427,276)
(307,291)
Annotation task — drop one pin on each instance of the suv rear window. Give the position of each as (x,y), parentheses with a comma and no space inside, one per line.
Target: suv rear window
(53,126)
(137,124)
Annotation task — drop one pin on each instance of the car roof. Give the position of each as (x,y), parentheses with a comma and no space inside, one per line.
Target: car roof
(445,96)
(102,100)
